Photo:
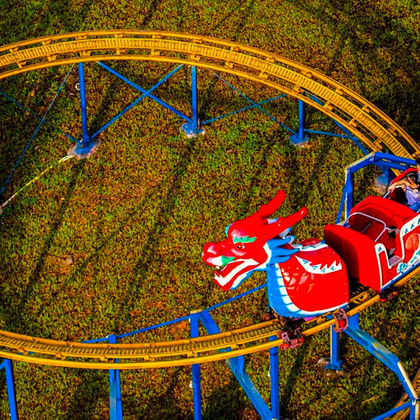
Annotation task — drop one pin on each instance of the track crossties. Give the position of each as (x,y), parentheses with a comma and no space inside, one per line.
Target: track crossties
(204,349)
(359,116)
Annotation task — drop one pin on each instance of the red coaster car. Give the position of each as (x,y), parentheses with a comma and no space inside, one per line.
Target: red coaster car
(379,241)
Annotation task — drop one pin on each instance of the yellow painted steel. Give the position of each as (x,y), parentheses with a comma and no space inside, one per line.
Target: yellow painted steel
(355,113)
(210,348)
(358,115)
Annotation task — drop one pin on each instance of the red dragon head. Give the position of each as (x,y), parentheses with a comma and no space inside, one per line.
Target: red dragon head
(246,248)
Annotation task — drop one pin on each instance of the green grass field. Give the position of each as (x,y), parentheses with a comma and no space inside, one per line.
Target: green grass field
(113,243)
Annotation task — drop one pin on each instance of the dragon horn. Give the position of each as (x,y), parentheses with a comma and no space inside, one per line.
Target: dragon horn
(274,229)
(285,222)
(268,209)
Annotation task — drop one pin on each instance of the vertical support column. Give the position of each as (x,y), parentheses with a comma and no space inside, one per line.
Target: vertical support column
(196,380)
(299,138)
(85,134)
(335,362)
(115,404)
(194,98)
(349,192)
(274,378)
(192,129)
(10,383)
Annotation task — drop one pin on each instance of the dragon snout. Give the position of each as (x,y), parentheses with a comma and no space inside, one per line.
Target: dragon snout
(210,252)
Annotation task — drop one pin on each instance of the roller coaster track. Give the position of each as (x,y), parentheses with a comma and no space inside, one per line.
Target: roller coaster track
(203,349)
(355,113)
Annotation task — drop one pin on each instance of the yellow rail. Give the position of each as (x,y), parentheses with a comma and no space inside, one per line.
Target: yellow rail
(204,349)
(358,115)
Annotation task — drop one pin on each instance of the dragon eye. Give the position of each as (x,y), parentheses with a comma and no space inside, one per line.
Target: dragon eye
(240,246)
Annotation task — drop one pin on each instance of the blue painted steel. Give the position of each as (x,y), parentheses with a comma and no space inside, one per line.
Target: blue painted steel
(384,356)
(358,143)
(196,380)
(26,109)
(184,318)
(35,132)
(386,157)
(136,101)
(236,365)
(348,133)
(347,192)
(255,104)
(211,120)
(192,128)
(327,133)
(299,137)
(275,383)
(149,95)
(194,97)
(115,403)
(393,411)
(85,135)
(383,160)
(10,383)
(336,363)
(355,140)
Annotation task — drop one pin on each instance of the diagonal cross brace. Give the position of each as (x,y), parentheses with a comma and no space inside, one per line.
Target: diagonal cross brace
(242,109)
(148,94)
(254,103)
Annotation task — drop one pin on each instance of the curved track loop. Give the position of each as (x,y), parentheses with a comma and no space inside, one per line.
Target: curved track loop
(358,115)
(164,354)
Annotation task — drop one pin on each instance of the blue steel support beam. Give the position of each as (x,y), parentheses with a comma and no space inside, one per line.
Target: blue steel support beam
(236,365)
(26,109)
(346,198)
(299,137)
(196,379)
(255,104)
(194,97)
(393,411)
(382,160)
(349,193)
(347,132)
(335,362)
(242,110)
(115,403)
(10,383)
(274,379)
(192,129)
(136,101)
(140,89)
(85,135)
(382,354)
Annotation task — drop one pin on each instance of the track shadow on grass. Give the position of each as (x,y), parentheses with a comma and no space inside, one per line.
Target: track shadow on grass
(16,320)
(160,406)
(378,42)
(235,32)
(166,208)
(167,205)
(92,383)
(300,197)
(293,376)
(152,10)
(227,402)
